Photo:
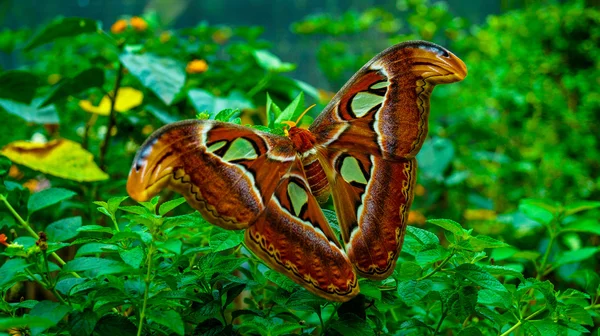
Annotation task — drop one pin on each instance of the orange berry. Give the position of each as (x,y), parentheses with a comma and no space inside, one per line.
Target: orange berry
(196,67)
(119,26)
(138,23)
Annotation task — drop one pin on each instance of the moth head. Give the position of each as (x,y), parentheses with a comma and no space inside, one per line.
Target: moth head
(302,139)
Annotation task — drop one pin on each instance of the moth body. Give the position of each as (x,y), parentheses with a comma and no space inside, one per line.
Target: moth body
(304,143)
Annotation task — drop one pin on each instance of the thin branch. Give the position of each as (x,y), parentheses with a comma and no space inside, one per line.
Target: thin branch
(518,324)
(147,281)
(112,118)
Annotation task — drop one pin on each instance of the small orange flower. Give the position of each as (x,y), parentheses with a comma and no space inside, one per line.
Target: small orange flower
(15,173)
(221,36)
(164,37)
(196,67)
(138,23)
(419,190)
(3,239)
(415,217)
(119,26)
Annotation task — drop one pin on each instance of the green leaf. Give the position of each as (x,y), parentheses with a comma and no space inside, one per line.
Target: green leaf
(281,280)
(204,101)
(588,279)
(408,271)
(470,331)
(65,285)
(371,290)
(18,85)
(160,114)
(351,325)
(63,229)
(585,225)
(270,62)
(95,228)
(479,277)
(493,298)
(115,325)
(168,318)
(101,266)
(63,27)
(424,237)
(26,321)
(114,202)
(536,210)
(570,257)
(11,269)
(31,112)
(87,79)
(545,287)
(540,327)
(48,197)
(577,314)
(49,310)
(164,76)
(449,225)
(221,240)
(413,291)
(291,112)
(503,271)
(576,207)
(83,323)
(170,205)
(571,293)
(430,253)
(233,292)
(132,257)
(480,242)
(461,303)
(172,245)
(273,111)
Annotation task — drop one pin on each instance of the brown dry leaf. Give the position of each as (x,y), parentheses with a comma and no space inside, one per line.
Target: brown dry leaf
(63,158)
(127,99)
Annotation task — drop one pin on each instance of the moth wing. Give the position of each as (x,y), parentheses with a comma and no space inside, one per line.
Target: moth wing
(225,171)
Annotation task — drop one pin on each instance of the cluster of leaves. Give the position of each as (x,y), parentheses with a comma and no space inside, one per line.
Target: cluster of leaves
(148,271)
(69,265)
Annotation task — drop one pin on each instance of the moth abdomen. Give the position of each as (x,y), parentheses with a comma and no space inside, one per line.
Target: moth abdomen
(317,179)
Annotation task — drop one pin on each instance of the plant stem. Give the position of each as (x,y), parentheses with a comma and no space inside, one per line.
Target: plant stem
(28,228)
(540,271)
(439,325)
(147,281)
(438,267)
(518,324)
(86,132)
(592,307)
(112,118)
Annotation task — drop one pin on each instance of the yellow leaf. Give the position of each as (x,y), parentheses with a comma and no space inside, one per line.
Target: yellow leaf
(63,158)
(479,214)
(127,99)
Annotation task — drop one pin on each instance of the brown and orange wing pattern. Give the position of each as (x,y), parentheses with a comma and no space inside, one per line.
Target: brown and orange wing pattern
(225,171)
(293,237)
(372,197)
(384,108)
(367,139)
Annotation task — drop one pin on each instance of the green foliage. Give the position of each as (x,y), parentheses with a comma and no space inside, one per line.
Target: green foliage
(512,158)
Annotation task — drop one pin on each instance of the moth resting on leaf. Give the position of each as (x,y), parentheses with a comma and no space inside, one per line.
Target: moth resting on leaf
(360,151)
